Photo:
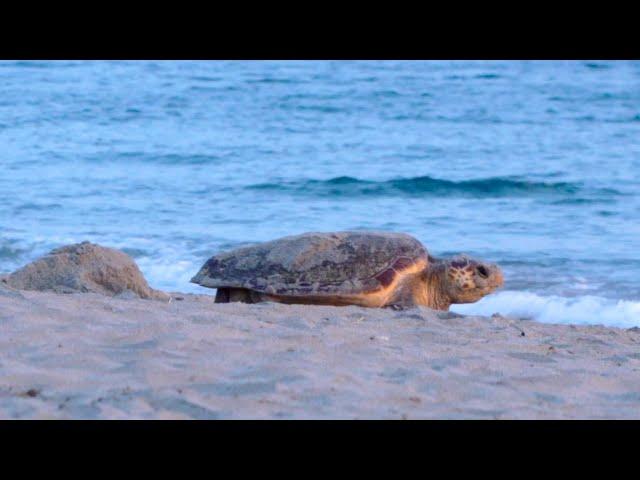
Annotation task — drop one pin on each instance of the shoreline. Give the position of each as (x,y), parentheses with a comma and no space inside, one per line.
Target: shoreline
(92,356)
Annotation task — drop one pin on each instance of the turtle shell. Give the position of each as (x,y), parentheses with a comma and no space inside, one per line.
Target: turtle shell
(315,263)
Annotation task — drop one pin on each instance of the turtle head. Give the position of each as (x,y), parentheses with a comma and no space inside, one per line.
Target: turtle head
(468,280)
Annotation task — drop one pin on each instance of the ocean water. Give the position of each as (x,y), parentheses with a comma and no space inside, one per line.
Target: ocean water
(533,165)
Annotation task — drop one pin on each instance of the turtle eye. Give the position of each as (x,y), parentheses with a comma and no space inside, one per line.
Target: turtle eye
(482,271)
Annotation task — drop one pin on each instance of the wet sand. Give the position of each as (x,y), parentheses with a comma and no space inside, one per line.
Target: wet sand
(89,356)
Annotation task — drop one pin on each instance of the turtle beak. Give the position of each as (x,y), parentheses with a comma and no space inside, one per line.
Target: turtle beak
(496,278)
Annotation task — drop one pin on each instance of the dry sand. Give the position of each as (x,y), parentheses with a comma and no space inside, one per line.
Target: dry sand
(90,356)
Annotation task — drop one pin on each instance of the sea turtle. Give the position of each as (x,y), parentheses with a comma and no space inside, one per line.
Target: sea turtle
(370,269)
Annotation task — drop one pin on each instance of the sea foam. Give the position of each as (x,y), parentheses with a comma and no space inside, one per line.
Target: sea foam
(585,310)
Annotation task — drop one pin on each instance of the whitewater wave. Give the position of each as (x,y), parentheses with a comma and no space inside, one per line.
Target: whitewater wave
(582,310)
(170,274)
(425,185)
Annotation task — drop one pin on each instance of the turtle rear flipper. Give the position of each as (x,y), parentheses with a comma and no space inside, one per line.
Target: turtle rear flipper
(227,295)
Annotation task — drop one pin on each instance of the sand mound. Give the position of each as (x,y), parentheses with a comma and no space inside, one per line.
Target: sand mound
(6,290)
(84,267)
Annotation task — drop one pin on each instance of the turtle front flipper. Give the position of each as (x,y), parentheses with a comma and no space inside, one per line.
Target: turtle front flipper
(401,306)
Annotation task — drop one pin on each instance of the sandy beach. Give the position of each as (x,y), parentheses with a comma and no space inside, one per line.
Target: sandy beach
(85,356)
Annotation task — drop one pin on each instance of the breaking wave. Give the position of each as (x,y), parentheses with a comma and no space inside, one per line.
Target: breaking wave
(582,310)
(425,185)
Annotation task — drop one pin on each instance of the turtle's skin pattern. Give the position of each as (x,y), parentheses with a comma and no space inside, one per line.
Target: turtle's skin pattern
(341,263)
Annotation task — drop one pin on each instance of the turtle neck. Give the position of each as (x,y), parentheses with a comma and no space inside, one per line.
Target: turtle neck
(430,291)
